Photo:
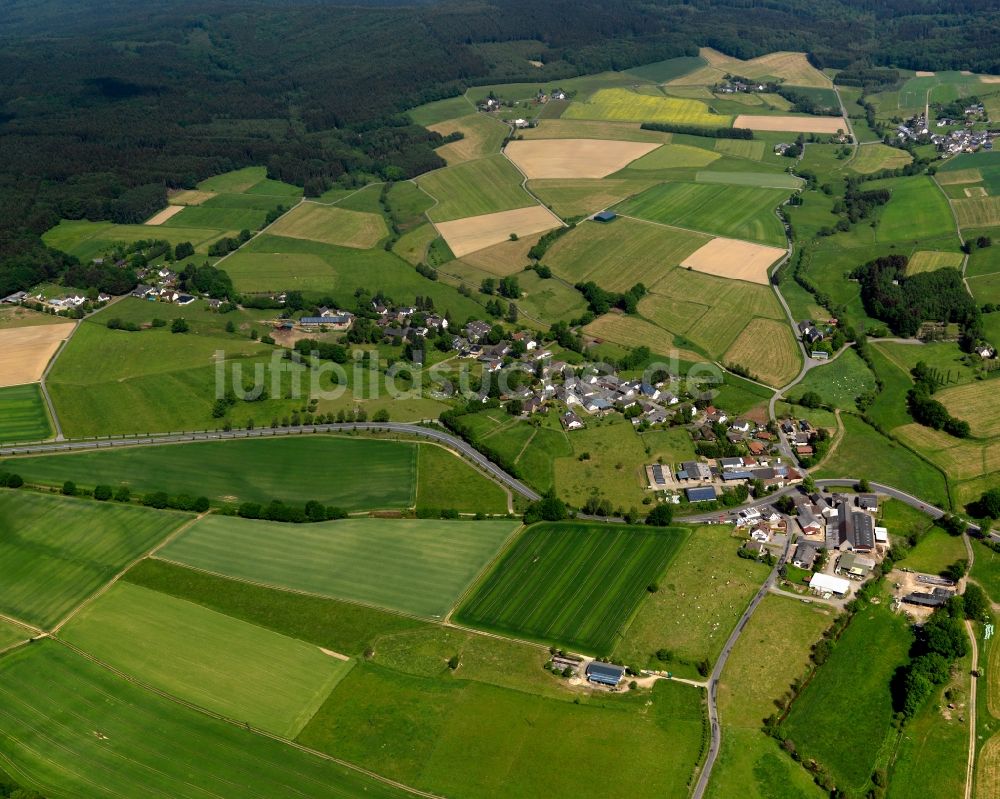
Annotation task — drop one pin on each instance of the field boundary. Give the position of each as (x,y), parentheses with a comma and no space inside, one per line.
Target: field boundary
(107,586)
(235,723)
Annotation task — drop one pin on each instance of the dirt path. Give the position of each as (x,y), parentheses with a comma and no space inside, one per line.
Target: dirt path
(974,680)
(836,441)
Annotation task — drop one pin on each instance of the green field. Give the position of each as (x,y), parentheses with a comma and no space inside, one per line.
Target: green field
(866,453)
(674,156)
(917,210)
(382,474)
(626,106)
(23,416)
(701,597)
(573,198)
(242,671)
(55,551)
(857,674)
(343,627)
(672,68)
(875,157)
(214,217)
(484,186)
(456,736)
(570,583)
(331,225)
(741,212)
(935,551)
(986,570)
(70,728)
(752,765)
(618,255)
(409,565)
(839,382)
(758,672)
(441,110)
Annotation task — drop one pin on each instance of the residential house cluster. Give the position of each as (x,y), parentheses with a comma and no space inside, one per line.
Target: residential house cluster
(404,322)
(800,435)
(161,286)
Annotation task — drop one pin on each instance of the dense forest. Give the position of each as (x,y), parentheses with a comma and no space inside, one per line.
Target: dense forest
(103,106)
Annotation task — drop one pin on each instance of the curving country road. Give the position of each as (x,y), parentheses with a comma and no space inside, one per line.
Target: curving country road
(454,442)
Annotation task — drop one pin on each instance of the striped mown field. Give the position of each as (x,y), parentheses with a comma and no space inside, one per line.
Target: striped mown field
(22,414)
(417,566)
(56,551)
(572,583)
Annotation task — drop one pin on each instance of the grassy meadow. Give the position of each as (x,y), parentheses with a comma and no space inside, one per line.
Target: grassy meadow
(484,186)
(239,670)
(382,474)
(23,415)
(700,598)
(571,583)
(858,673)
(56,551)
(106,737)
(740,212)
(413,566)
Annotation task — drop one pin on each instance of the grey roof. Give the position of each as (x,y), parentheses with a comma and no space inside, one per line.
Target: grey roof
(605,672)
(700,494)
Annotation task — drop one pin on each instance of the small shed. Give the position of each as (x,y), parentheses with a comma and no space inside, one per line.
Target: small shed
(605,673)
(605,216)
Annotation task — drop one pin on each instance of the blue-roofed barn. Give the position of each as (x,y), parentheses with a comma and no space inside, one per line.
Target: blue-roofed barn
(605,673)
(604,216)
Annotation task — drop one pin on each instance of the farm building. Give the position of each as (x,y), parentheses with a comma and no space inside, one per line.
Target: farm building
(338,321)
(826,584)
(605,673)
(703,494)
(935,599)
(605,216)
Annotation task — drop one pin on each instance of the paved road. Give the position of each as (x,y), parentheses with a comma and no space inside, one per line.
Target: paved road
(441,436)
(713,682)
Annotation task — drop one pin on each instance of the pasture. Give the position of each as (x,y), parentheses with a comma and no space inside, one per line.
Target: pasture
(331,225)
(977,211)
(225,665)
(840,381)
(479,187)
(935,551)
(618,255)
(465,737)
(858,672)
(26,351)
(792,124)
(23,415)
(413,566)
(916,210)
(865,453)
(700,599)
(440,111)
(739,212)
(977,404)
(986,572)
(735,259)
(758,671)
(382,475)
(574,158)
(220,213)
(878,156)
(571,583)
(445,480)
(752,765)
(55,551)
(931,260)
(767,349)
(792,68)
(622,105)
(413,245)
(474,233)
(107,738)
(572,199)
(481,136)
